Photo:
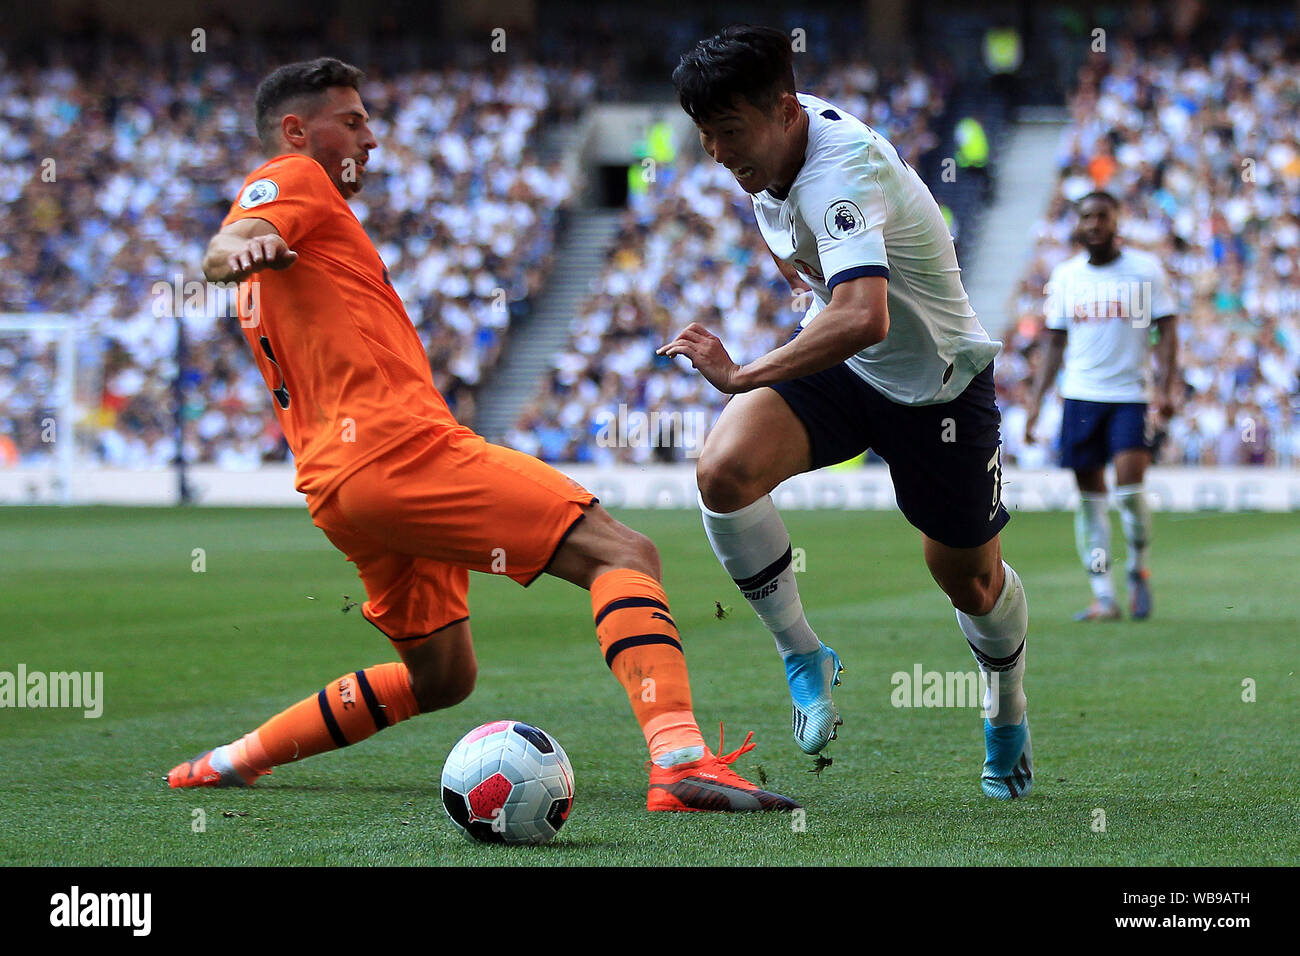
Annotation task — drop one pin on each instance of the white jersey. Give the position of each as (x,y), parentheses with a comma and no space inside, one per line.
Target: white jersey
(857,209)
(1107,311)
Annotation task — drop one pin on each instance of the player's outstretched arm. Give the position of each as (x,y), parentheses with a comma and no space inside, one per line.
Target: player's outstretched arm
(244,247)
(1167,376)
(1056,339)
(857,318)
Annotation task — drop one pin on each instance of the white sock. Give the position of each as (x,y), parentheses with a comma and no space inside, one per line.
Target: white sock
(1135,518)
(754,546)
(1092,538)
(997,639)
(675,757)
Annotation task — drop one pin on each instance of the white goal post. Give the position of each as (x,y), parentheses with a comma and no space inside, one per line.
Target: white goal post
(63,329)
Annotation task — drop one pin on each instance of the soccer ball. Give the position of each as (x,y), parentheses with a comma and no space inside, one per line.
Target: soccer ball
(507,782)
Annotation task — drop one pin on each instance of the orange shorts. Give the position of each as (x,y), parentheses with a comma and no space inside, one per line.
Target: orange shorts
(419,517)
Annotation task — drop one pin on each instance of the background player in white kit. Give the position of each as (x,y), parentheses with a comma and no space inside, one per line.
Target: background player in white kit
(890,357)
(1103,306)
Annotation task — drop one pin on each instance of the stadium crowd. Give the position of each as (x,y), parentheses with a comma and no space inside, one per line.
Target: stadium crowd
(688,251)
(113,180)
(1205,156)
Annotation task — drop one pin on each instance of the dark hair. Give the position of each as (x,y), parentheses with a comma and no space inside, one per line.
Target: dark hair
(294,85)
(1099,194)
(753,63)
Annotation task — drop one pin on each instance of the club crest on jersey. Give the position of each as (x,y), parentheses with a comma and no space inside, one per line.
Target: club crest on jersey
(254,194)
(844,219)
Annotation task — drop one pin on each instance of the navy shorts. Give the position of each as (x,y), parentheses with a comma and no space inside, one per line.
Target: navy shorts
(1092,433)
(944,460)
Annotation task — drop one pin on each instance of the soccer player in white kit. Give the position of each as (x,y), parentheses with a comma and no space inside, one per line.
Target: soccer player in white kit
(1103,308)
(890,357)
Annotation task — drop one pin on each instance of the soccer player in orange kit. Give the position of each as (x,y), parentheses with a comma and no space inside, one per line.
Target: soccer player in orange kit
(413,498)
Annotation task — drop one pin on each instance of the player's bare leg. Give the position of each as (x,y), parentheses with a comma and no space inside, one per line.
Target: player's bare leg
(600,544)
(994,616)
(757,443)
(1092,539)
(971,577)
(443,669)
(641,646)
(729,473)
(1135,518)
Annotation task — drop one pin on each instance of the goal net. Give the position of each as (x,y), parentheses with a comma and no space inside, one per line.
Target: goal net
(39,402)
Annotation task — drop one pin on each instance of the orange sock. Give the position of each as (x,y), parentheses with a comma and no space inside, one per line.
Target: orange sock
(643,649)
(349,710)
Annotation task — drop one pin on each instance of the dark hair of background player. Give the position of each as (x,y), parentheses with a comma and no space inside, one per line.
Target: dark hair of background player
(1100,194)
(753,63)
(293,88)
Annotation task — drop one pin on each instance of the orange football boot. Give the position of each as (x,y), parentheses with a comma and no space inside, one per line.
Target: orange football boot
(709,784)
(203,771)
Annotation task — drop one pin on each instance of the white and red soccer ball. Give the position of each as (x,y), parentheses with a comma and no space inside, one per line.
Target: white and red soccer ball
(507,782)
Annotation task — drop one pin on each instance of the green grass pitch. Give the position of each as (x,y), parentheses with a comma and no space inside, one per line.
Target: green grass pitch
(1144,722)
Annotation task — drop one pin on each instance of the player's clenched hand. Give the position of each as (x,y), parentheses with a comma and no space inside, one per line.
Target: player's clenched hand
(1166,407)
(261,252)
(708,355)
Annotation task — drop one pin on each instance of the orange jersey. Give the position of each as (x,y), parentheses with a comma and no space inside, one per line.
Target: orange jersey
(348,372)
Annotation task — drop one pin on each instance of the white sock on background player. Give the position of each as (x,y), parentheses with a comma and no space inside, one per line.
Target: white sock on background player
(754,547)
(1092,537)
(1135,518)
(997,639)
